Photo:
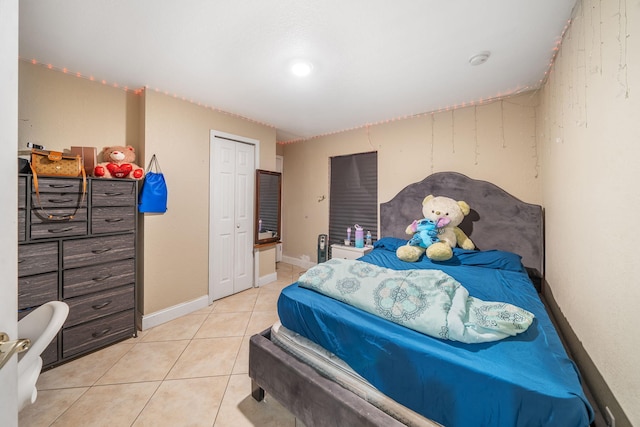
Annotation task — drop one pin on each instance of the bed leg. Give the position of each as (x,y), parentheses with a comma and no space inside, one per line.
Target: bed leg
(256,391)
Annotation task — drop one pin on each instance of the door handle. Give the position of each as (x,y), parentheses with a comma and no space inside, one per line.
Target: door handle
(8,348)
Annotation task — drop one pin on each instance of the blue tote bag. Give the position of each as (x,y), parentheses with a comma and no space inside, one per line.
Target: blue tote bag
(153,196)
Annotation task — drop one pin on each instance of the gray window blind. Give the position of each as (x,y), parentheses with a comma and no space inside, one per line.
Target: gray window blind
(269,202)
(353,195)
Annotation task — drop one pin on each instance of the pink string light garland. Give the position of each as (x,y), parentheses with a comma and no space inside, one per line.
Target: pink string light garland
(452,107)
(139,91)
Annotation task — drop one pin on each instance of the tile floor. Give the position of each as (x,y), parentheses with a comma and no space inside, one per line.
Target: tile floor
(191,371)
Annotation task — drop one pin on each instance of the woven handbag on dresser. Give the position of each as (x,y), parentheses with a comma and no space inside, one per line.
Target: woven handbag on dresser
(54,163)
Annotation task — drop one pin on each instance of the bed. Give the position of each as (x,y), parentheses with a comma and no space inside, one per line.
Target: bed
(330,363)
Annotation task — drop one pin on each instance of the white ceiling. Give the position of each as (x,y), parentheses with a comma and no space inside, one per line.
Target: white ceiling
(374,60)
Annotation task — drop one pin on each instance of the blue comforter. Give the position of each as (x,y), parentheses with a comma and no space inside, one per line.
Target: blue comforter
(524,380)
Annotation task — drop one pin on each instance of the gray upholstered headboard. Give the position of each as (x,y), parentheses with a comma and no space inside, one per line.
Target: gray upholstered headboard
(497,219)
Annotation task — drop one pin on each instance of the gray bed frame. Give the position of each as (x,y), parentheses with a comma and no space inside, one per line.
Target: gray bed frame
(497,221)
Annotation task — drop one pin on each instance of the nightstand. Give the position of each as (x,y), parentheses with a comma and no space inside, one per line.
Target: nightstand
(349,252)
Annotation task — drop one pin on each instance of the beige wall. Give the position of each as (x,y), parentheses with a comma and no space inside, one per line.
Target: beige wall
(59,110)
(494,142)
(590,144)
(175,262)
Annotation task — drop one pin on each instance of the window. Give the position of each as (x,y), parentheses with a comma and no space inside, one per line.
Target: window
(353,195)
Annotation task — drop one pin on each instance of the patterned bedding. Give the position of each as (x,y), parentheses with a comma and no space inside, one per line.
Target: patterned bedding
(428,301)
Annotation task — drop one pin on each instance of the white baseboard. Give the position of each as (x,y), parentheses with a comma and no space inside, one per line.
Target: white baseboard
(297,261)
(267,279)
(147,321)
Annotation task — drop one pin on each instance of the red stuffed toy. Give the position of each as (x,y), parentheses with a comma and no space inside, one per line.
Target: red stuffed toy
(118,162)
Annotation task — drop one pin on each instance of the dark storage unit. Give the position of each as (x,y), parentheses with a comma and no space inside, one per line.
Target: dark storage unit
(88,261)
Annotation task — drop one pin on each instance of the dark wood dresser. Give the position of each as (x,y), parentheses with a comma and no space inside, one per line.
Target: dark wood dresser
(88,261)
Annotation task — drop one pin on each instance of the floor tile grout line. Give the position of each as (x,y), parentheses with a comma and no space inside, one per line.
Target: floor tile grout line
(201,324)
(71,405)
(226,387)
(116,362)
(188,344)
(147,403)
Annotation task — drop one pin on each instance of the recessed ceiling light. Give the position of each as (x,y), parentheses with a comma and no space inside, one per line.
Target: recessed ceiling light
(301,68)
(479,58)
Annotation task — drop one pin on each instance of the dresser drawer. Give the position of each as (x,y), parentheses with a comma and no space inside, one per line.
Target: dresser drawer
(97,333)
(93,306)
(80,281)
(36,290)
(58,185)
(112,219)
(57,200)
(38,216)
(44,228)
(85,252)
(113,193)
(37,258)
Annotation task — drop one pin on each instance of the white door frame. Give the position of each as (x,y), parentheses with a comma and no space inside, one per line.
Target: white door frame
(237,138)
(9,18)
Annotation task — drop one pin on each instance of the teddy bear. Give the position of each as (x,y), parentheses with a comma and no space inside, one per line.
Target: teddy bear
(435,209)
(118,162)
(426,231)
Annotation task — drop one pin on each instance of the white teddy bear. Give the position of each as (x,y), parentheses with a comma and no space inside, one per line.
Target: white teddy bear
(436,208)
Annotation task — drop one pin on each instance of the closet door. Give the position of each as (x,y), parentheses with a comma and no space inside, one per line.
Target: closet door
(231,210)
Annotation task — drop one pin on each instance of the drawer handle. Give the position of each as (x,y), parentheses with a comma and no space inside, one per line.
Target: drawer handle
(114,194)
(103,332)
(114,220)
(62,230)
(60,185)
(103,305)
(103,278)
(60,200)
(100,251)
